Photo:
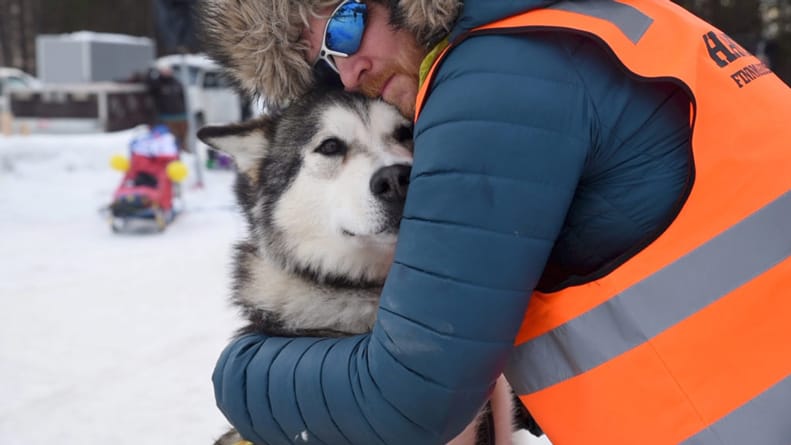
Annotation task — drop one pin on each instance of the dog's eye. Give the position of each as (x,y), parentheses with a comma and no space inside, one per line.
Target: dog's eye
(331,147)
(403,133)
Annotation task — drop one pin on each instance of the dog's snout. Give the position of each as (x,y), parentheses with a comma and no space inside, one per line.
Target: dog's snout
(390,183)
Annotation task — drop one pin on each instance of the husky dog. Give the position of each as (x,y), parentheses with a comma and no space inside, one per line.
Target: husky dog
(322,186)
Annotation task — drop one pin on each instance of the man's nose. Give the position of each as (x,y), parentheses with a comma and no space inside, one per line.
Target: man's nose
(352,69)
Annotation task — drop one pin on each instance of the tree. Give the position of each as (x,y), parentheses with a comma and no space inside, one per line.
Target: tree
(131,17)
(17,31)
(777,36)
(22,20)
(175,25)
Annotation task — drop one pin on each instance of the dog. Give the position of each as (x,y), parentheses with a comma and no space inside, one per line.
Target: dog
(322,186)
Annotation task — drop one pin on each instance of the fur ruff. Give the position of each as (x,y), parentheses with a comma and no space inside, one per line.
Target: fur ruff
(428,20)
(259,41)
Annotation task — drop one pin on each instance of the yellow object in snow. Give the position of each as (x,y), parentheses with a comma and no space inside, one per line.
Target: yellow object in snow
(177,171)
(120,163)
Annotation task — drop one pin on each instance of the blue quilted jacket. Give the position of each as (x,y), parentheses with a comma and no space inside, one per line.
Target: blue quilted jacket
(539,162)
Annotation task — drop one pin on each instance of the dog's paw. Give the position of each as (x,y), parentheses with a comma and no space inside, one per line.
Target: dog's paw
(232,437)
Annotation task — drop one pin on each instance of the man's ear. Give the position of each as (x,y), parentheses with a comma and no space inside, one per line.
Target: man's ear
(247,143)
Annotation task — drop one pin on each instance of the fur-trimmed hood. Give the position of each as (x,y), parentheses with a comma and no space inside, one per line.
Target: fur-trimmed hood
(258,41)
(429,20)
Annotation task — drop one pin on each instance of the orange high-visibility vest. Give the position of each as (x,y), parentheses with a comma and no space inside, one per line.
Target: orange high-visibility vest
(688,341)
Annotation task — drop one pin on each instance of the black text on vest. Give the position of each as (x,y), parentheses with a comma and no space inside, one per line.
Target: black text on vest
(722,49)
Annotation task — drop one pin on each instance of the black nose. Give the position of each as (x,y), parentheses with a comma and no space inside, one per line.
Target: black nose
(390,183)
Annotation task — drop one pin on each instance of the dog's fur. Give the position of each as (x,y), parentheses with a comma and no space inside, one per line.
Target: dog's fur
(322,186)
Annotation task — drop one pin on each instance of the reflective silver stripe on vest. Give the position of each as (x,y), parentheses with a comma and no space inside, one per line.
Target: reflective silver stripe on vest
(762,421)
(658,302)
(632,22)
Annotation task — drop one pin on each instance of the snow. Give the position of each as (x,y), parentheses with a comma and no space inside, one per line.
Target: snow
(108,338)
(91,36)
(196,60)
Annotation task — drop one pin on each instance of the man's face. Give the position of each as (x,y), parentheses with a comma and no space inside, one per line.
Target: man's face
(386,65)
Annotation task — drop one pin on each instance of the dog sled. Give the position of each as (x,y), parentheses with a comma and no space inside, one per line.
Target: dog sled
(144,198)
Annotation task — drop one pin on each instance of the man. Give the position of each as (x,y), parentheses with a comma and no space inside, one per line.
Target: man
(597,207)
(168,95)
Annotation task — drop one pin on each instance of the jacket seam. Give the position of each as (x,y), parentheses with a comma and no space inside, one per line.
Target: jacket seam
(458,281)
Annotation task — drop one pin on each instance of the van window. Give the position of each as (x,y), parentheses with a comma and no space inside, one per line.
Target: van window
(193,73)
(15,82)
(215,79)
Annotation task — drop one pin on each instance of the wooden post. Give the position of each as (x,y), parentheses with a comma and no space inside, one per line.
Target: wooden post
(6,123)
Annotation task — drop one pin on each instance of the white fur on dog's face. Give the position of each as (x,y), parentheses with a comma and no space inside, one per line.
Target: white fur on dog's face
(305,183)
(349,227)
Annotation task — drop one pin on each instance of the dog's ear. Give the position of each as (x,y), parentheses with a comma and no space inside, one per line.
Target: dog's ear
(247,142)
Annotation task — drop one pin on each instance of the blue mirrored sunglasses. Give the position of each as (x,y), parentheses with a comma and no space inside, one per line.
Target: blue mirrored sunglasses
(344,32)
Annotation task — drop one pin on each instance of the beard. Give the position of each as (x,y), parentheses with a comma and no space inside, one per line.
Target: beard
(405,69)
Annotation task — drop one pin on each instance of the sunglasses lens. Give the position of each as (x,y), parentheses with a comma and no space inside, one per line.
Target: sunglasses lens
(345,28)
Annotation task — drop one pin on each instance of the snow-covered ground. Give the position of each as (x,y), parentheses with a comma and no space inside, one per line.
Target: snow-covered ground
(106,338)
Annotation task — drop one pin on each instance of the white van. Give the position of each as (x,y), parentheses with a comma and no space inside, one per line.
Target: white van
(212,97)
(13,79)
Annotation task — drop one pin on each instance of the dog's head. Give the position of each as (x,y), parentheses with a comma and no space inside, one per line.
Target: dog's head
(323,182)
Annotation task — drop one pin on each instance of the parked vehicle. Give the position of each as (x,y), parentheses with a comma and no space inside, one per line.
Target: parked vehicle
(79,108)
(212,97)
(14,79)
